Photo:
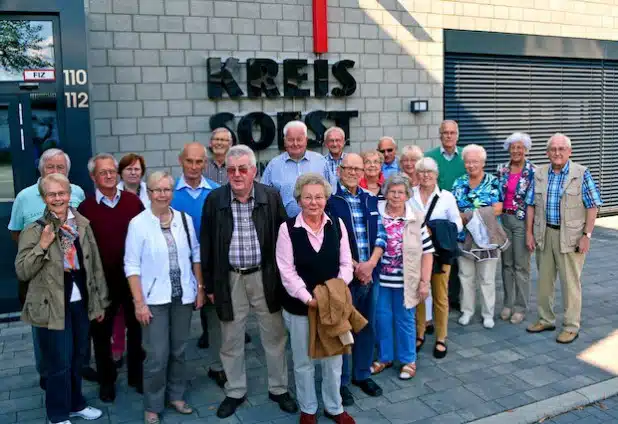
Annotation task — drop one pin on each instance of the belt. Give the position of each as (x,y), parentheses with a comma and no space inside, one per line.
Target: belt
(555,227)
(246,271)
(509,211)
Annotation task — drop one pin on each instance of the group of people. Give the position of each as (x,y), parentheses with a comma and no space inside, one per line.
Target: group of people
(344,254)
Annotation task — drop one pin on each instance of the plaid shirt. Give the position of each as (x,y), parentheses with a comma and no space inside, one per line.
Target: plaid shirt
(360,225)
(245,246)
(590,193)
(331,168)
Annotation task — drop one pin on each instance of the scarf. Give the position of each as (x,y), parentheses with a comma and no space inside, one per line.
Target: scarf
(67,234)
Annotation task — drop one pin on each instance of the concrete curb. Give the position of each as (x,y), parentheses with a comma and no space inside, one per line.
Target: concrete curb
(565,402)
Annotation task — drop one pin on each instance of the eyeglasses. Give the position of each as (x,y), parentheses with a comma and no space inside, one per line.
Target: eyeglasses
(352,169)
(386,150)
(107,173)
(59,194)
(557,149)
(242,170)
(160,190)
(373,162)
(52,167)
(309,199)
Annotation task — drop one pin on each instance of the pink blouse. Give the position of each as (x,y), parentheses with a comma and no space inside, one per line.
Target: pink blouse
(511,186)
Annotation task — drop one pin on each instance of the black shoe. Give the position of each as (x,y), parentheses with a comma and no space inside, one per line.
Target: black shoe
(285,401)
(454,305)
(107,393)
(137,385)
(429,329)
(247,338)
(369,386)
(228,406)
(119,363)
(89,374)
(346,396)
(419,343)
(42,383)
(219,377)
(439,354)
(202,343)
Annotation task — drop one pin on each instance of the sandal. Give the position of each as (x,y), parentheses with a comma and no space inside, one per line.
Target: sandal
(377,367)
(419,345)
(429,329)
(407,371)
(183,408)
(154,419)
(439,354)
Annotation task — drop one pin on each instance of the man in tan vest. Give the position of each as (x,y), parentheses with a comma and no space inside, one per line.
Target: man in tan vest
(562,209)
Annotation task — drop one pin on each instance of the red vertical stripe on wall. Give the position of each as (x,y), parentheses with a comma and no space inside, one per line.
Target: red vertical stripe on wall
(320,26)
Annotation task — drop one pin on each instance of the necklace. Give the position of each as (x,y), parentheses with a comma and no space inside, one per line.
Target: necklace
(166,223)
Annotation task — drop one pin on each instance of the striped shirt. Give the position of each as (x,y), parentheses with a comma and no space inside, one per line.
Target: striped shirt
(391,273)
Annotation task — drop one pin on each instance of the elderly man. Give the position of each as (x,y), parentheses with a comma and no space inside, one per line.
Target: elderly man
(283,170)
(239,232)
(388,148)
(109,211)
(358,209)
(334,139)
(562,209)
(27,208)
(220,142)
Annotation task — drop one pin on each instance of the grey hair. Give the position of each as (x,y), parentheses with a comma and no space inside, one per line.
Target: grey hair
(559,135)
(333,129)
(53,178)
(50,153)
(368,153)
(295,124)
(241,150)
(182,151)
(311,178)
(220,129)
(92,162)
(449,121)
(474,148)
(387,138)
(427,164)
(397,179)
(518,136)
(411,150)
(155,177)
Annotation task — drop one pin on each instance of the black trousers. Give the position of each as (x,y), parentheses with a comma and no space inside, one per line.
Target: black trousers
(102,337)
(454,285)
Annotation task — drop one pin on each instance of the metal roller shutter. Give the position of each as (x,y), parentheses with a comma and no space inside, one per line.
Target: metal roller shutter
(493,96)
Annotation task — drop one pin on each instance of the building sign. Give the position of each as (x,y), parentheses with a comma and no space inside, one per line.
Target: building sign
(261,75)
(40,75)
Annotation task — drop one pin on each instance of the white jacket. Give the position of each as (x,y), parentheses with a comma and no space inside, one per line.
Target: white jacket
(147,256)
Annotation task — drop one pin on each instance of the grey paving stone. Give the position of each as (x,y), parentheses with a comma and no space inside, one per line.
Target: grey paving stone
(8,418)
(515,400)
(498,387)
(260,413)
(444,384)
(539,376)
(407,393)
(451,400)
(475,411)
(407,411)
(448,418)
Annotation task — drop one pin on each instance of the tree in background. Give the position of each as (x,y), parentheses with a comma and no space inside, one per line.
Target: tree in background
(21,44)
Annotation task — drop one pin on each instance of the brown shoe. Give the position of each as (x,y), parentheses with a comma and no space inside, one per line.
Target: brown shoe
(566,337)
(342,418)
(308,418)
(539,327)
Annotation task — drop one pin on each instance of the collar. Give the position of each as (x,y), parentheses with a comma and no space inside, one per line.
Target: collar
(330,157)
(443,151)
(393,164)
(251,196)
(224,199)
(99,196)
(286,157)
(564,170)
(300,222)
(142,184)
(183,184)
(410,215)
(212,162)
(344,190)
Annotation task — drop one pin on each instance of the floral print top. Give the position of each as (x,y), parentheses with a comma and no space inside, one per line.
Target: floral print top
(468,199)
(525,183)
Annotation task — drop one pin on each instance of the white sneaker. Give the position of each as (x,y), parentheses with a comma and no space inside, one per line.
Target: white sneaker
(61,422)
(88,413)
(465,319)
(488,323)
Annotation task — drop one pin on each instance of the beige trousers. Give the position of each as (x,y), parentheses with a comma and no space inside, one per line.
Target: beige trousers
(439,290)
(248,293)
(484,272)
(569,267)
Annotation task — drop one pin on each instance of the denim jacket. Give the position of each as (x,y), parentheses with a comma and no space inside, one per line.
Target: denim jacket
(525,183)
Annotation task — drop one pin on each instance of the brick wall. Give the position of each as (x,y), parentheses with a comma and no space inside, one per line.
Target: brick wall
(148,61)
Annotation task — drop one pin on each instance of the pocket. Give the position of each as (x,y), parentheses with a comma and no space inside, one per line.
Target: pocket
(37,306)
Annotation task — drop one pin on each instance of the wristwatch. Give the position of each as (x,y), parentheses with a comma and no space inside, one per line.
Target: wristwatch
(589,235)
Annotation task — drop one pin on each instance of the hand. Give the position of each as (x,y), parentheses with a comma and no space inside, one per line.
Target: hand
(363,272)
(584,245)
(142,313)
(100,317)
(47,237)
(464,218)
(211,298)
(423,290)
(200,300)
(313,303)
(530,243)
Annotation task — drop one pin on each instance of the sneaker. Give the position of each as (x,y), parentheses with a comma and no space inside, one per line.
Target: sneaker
(88,413)
(465,319)
(488,323)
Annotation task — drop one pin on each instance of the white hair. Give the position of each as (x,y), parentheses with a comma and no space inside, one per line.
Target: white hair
(427,164)
(92,163)
(295,124)
(155,177)
(449,121)
(53,178)
(50,153)
(395,180)
(220,129)
(518,136)
(333,129)
(241,150)
(411,150)
(311,178)
(474,148)
(387,138)
(559,135)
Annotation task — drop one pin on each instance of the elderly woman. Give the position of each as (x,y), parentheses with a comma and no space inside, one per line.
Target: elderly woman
(311,249)
(436,205)
(58,255)
(516,179)
(373,178)
(410,155)
(404,279)
(132,168)
(474,191)
(162,263)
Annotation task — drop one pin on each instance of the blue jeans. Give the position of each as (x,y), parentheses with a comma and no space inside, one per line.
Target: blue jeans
(364,299)
(392,313)
(64,352)
(38,358)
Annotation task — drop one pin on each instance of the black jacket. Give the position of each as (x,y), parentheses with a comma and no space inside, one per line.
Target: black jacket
(444,238)
(216,236)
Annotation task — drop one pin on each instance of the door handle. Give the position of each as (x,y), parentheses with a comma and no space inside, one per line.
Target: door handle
(21,126)
(29,86)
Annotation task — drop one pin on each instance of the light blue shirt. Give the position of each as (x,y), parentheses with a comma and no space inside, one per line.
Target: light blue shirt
(389,169)
(193,192)
(99,197)
(331,168)
(282,172)
(29,206)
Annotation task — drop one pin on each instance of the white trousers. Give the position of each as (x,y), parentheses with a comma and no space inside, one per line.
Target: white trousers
(485,273)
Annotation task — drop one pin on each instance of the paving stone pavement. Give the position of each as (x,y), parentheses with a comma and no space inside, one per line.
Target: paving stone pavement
(602,412)
(485,372)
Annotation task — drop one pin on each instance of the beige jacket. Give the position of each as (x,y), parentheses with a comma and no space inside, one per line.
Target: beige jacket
(44,305)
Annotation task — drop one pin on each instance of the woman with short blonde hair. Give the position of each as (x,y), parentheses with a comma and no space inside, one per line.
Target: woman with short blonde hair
(373,178)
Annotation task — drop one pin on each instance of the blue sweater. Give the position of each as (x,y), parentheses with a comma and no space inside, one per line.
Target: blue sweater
(184,202)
